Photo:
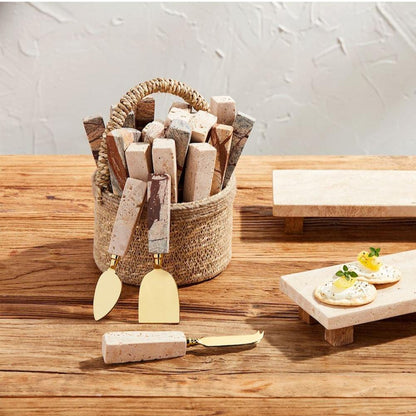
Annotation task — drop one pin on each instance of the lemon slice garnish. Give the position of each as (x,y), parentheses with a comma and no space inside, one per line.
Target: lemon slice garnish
(372,263)
(342,283)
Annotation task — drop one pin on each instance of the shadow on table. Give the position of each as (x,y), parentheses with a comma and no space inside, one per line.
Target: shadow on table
(257,223)
(301,342)
(52,280)
(98,362)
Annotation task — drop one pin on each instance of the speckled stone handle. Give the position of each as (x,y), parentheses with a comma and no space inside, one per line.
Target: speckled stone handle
(128,213)
(127,104)
(158,213)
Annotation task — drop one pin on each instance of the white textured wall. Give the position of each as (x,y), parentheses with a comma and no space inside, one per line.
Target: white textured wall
(319,78)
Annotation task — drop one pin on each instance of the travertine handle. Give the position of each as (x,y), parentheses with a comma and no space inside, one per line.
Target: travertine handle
(128,103)
(128,213)
(128,346)
(158,213)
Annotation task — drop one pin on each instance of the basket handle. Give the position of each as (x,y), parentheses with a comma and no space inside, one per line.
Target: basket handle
(128,102)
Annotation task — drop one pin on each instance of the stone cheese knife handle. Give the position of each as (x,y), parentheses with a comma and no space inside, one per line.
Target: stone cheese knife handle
(129,102)
(128,213)
(158,213)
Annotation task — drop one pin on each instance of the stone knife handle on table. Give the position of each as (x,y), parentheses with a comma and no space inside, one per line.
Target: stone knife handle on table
(133,346)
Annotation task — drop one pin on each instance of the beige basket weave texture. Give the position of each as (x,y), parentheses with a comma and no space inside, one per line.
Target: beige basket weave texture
(200,232)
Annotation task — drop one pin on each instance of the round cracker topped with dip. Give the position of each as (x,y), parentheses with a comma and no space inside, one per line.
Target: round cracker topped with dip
(369,268)
(344,289)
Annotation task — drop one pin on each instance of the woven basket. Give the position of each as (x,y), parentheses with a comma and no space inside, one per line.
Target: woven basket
(200,232)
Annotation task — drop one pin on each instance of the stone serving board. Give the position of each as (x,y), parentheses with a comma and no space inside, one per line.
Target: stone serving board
(344,193)
(392,299)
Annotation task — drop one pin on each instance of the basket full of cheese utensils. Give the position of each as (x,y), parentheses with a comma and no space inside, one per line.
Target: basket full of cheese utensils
(176,177)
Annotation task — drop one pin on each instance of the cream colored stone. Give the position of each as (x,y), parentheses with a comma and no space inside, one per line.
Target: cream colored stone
(158,213)
(394,300)
(128,213)
(125,136)
(177,113)
(180,132)
(344,193)
(164,161)
(221,136)
(131,346)
(199,171)
(139,160)
(181,104)
(242,126)
(224,108)
(153,130)
(201,124)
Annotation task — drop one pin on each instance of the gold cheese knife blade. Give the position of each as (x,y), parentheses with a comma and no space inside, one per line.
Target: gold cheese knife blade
(107,291)
(227,340)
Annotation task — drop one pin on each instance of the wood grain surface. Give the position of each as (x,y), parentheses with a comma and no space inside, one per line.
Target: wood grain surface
(50,357)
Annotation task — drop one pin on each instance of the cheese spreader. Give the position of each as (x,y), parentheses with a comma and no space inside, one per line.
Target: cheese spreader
(158,296)
(108,287)
(133,346)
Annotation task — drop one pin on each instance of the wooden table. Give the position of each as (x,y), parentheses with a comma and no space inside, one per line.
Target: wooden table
(50,357)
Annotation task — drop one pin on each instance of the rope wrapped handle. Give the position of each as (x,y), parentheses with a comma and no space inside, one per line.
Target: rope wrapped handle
(128,102)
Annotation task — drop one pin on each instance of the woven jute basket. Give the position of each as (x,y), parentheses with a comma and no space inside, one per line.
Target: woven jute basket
(200,232)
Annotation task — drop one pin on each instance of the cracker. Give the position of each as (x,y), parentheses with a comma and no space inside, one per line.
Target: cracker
(380,280)
(359,301)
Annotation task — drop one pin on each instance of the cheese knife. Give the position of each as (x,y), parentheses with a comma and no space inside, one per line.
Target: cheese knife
(133,346)
(109,285)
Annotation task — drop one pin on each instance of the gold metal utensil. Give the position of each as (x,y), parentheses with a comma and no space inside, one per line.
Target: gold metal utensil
(158,296)
(227,340)
(131,346)
(108,287)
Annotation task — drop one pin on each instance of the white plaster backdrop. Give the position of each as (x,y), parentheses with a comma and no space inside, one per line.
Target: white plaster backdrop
(320,78)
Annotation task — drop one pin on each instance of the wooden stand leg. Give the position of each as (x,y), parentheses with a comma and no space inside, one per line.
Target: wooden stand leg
(294,225)
(339,337)
(305,317)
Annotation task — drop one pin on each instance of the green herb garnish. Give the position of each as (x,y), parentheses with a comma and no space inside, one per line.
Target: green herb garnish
(348,275)
(374,252)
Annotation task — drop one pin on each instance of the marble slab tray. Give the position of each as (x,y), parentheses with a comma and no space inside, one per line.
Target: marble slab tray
(343,193)
(392,300)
